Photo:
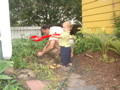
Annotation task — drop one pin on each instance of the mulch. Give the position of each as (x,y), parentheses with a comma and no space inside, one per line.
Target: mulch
(96,72)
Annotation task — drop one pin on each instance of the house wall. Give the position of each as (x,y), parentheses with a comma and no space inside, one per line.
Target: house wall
(99,13)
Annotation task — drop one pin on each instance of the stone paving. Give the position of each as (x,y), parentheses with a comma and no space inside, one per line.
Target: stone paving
(75,83)
(35,84)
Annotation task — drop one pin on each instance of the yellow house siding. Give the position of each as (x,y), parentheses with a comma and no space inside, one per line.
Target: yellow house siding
(117,7)
(99,13)
(97,10)
(95,3)
(98,24)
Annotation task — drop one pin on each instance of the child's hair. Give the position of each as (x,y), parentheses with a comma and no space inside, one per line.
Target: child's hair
(69,24)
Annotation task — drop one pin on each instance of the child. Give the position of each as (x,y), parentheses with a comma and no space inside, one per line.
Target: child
(65,48)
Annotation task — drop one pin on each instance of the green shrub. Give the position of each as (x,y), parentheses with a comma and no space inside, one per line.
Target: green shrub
(23,48)
(90,41)
(96,42)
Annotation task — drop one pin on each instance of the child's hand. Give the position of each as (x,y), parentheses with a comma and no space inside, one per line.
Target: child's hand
(52,35)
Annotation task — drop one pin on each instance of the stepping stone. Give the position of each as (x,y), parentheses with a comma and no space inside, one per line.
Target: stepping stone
(76,83)
(90,87)
(74,80)
(74,76)
(35,84)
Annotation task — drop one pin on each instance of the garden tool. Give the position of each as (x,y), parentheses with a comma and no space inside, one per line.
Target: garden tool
(37,38)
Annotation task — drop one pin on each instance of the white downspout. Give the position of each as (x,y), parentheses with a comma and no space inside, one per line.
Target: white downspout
(5,32)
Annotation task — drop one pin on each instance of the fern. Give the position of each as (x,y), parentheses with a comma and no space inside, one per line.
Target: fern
(115,46)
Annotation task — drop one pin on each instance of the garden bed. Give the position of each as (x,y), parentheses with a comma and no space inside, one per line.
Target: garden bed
(96,72)
(106,76)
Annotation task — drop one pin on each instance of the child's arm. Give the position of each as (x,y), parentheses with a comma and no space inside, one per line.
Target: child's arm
(56,36)
(71,37)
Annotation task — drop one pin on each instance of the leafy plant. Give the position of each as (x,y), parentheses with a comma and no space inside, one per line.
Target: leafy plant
(106,59)
(96,41)
(3,66)
(12,85)
(5,81)
(23,48)
(81,44)
(91,40)
(115,46)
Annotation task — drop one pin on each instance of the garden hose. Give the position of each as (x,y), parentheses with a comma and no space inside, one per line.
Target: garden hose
(68,74)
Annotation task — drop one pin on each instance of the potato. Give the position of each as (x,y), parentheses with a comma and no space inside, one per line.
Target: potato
(52,67)
(54,64)
(58,65)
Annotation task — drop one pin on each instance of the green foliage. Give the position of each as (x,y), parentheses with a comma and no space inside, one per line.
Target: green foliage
(115,46)
(42,71)
(6,82)
(23,48)
(117,25)
(3,66)
(5,77)
(81,44)
(12,85)
(97,42)
(106,59)
(40,12)
(90,41)
(45,73)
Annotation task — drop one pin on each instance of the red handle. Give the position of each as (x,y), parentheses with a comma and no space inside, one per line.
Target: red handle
(37,38)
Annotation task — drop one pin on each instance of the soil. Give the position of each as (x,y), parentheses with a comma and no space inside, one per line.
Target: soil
(93,69)
(96,72)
